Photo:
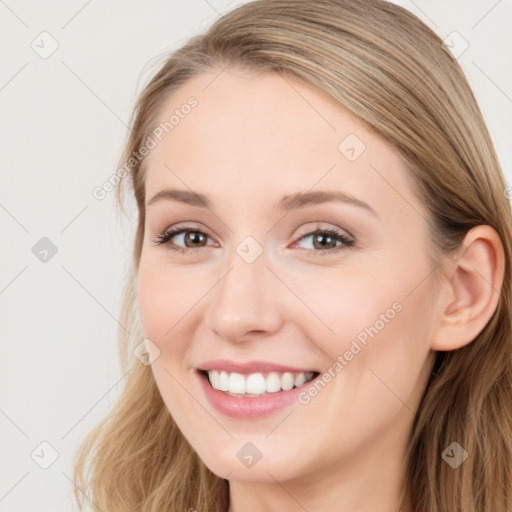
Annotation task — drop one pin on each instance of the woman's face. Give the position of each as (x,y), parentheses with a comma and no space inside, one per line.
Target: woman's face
(272,281)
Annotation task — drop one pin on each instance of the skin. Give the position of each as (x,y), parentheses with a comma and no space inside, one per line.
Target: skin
(250,140)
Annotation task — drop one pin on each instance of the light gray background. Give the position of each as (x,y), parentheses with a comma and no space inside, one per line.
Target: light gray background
(63,122)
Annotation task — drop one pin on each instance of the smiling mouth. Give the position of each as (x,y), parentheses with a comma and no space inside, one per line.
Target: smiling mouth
(256,384)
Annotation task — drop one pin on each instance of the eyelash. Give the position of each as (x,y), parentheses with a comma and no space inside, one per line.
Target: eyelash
(347,242)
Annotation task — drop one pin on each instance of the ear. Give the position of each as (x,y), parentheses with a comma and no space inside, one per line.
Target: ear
(472,290)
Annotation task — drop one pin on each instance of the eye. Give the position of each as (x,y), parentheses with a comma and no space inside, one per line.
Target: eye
(326,241)
(190,237)
(322,241)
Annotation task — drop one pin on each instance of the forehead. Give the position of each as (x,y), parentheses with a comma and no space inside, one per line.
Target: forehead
(275,135)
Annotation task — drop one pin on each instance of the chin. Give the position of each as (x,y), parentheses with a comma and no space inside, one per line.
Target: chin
(240,460)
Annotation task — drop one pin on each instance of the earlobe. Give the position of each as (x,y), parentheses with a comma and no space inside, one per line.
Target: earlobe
(472,290)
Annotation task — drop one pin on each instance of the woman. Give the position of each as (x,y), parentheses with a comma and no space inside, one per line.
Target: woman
(321,276)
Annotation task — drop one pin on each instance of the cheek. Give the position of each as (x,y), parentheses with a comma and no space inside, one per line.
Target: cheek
(341,305)
(152,300)
(166,295)
(164,299)
(379,312)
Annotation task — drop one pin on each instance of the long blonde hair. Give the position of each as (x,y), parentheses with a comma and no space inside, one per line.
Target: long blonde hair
(390,70)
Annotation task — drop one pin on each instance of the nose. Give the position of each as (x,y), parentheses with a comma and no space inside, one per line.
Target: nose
(245,304)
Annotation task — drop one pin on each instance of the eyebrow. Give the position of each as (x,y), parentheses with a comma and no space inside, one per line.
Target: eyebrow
(286,203)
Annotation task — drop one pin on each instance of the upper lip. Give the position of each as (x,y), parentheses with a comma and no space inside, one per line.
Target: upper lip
(250,367)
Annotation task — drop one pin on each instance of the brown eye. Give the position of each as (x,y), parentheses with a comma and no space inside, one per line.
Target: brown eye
(323,241)
(327,240)
(182,239)
(194,238)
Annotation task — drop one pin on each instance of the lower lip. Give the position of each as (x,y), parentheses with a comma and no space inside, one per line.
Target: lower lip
(249,407)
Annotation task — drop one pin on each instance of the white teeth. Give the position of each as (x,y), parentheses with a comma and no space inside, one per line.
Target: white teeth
(237,383)
(223,381)
(287,381)
(273,382)
(256,384)
(300,379)
(214,378)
